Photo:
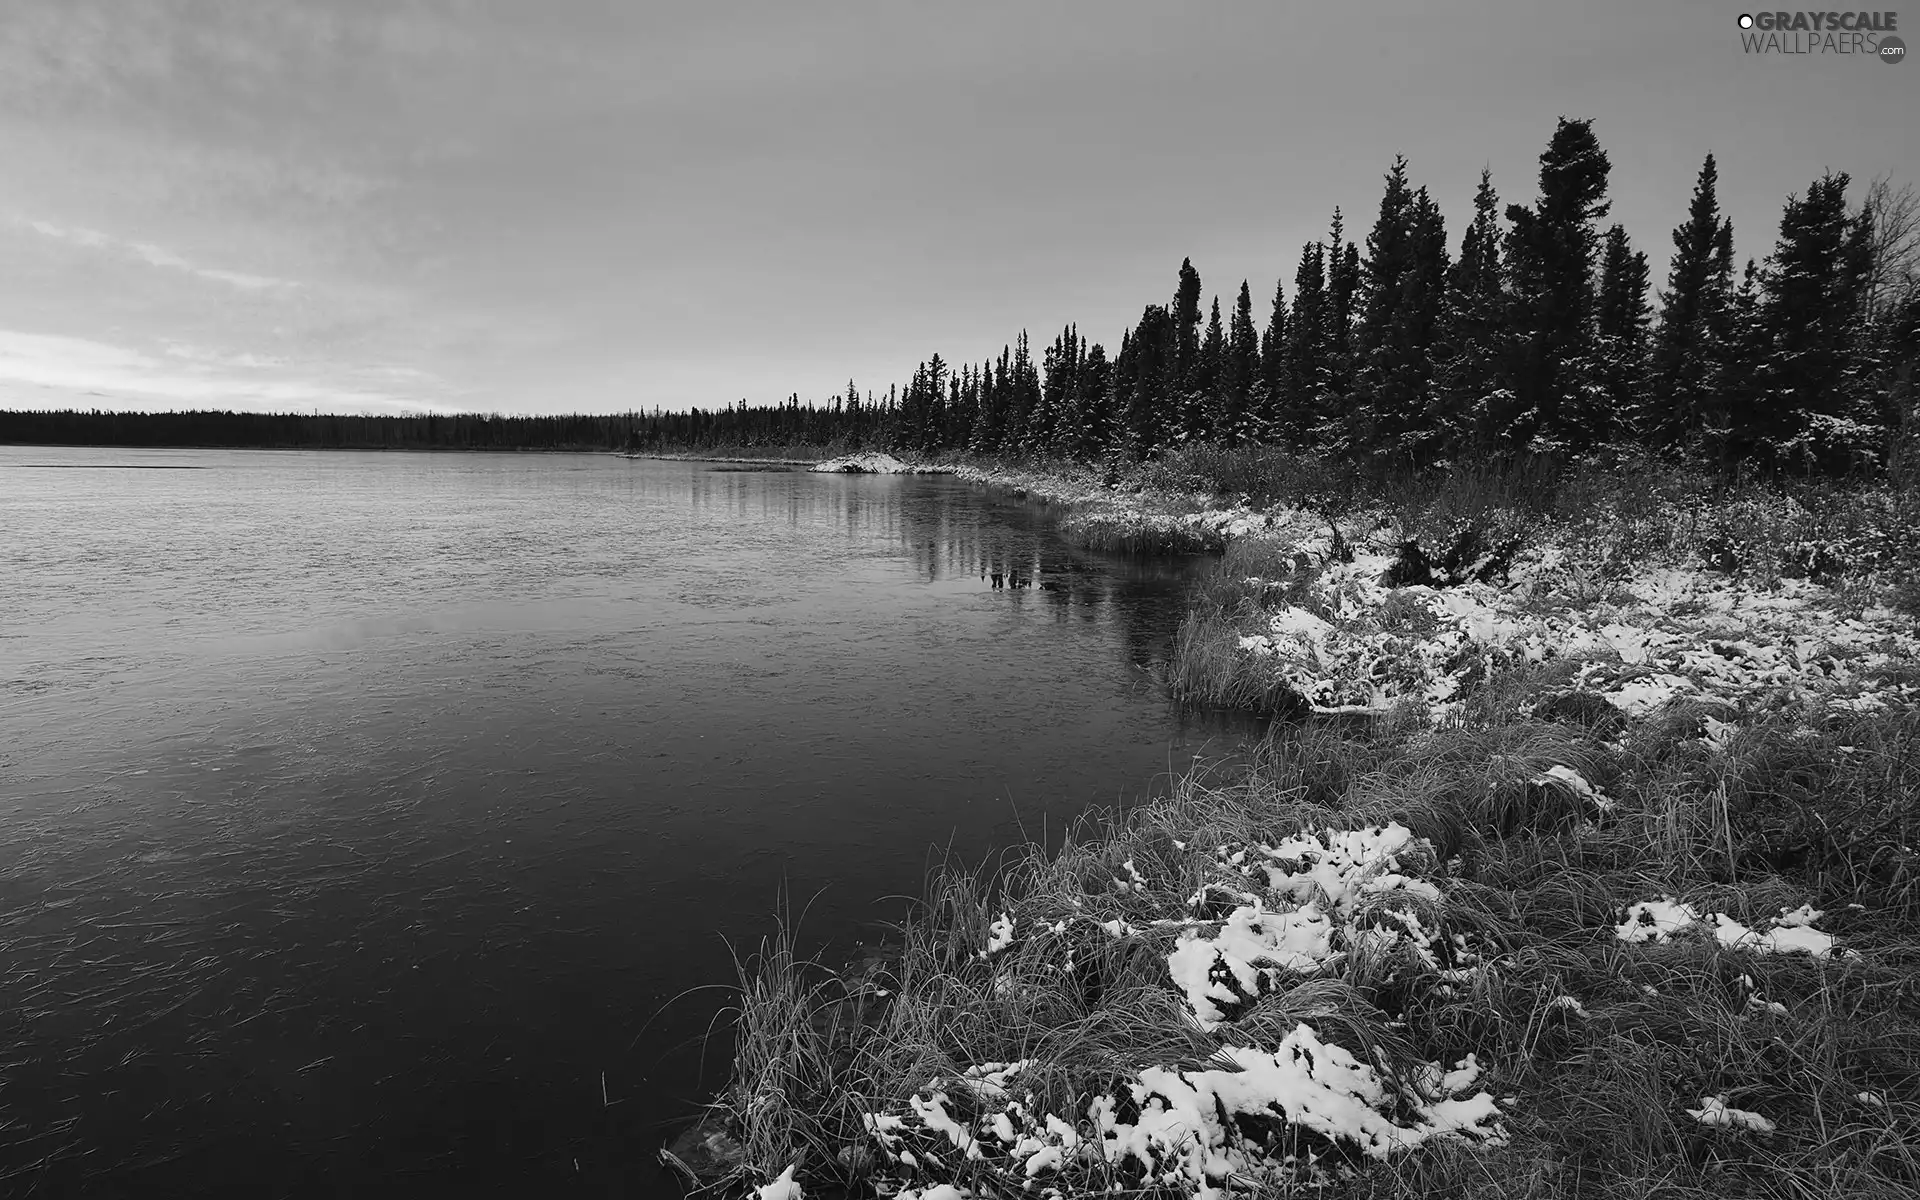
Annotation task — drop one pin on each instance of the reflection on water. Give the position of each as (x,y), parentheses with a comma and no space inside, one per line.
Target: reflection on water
(361,814)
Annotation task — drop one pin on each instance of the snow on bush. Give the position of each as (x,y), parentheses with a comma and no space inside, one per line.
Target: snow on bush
(999,936)
(783,1187)
(1658,921)
(1655,920)
(1268,1117)
(1568,779)
(1324,878)
(871,462)
(1713,1110)
(1667,633)
(1300,905)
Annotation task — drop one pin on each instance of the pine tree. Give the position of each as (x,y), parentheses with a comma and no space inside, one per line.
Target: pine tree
(959,419)
(1308,371)
(1120,442)
(1621,331)
(1405,424)
(980,435)
(1693,315)
(1472,397)
(1811,294)
(1242,368)
(1152,361)
(1186,318)
(1719,352)
(1343,288)
(1266,400)
(1389,258)
(933,407)
(1357,429)
(1550,253)
(1092,384)
(1059,386)
(1208,419)
(1024,396)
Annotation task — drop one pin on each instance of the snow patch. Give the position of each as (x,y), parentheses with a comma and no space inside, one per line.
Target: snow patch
(871,462)
(782,1188)
(1655,920)
(999,936)
(1325,876)
(1713,1111)
(1792,932)
(1194,1129)
(1673,634)
(1573,781)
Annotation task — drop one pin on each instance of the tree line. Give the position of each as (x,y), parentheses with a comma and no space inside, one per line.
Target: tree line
(250,430)
(1539,336)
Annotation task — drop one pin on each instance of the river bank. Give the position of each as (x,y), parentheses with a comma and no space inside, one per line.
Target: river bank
(767,460)
(1593,833)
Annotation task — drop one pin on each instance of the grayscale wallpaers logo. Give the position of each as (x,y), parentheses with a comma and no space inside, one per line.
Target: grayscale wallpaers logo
(1868,34)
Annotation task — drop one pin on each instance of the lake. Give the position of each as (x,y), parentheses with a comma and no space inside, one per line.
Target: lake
(380,823)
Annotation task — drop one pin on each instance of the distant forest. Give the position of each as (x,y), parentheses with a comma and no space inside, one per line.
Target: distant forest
(1538,336)
(469,431)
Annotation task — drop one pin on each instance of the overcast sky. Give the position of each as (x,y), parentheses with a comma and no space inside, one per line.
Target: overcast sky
(596,205)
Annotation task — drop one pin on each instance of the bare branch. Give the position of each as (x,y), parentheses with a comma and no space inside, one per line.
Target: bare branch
(1895,272)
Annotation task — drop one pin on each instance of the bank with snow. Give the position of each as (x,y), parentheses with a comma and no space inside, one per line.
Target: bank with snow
(875,462)
(1562,893)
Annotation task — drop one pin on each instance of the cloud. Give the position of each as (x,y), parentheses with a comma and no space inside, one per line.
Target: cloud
(154,256)
(195,378)
(204,356)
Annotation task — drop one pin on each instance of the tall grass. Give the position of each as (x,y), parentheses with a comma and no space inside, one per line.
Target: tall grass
(1601,1086)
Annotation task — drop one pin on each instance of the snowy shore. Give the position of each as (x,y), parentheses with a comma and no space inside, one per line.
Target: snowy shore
(1641,635)
(1596,805)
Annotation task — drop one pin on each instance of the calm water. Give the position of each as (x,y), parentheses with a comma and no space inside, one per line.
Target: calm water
(360,813)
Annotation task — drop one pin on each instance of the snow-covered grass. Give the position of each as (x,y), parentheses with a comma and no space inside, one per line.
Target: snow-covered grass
(1601,877)
(1394,964)
(1133,515)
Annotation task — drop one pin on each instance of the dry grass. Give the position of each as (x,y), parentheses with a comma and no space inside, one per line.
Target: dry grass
(1535,877)
(1602,1096)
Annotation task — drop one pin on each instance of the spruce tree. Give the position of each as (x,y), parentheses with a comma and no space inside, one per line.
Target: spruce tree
(1267,397)
(1471,396)
(1389,258)
(1308,371)
(1356,429)
(1186,318)
(1024,400)
(1242,368)
(1343,293)
(1093,404)
(959,419)
(1208,419)
(1152,380)
(1693,314)
(1120,391)
(1719,350)
(933,409)
(1621,331)
(1550,253)
(1811,294)
(1405,426)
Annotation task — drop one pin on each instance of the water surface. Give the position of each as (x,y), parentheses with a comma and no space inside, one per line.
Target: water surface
(359,813)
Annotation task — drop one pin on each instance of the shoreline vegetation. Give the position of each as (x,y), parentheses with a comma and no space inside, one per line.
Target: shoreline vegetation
(1612,890)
